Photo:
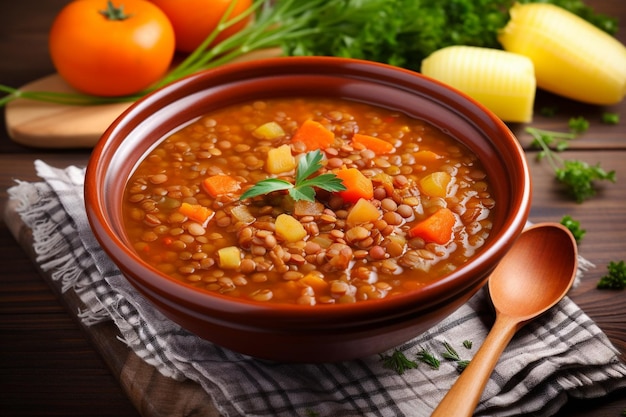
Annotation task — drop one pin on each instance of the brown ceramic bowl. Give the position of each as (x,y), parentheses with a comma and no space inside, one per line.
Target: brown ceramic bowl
(293,332)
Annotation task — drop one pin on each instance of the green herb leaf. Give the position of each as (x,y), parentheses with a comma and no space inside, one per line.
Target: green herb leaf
(574,227)
(304,188)
(428,358)
(450,353)
(467,344)
(398,362)
(265,187)
(616,277)
(578,124)
(461,365)
(577,176)
(610,118)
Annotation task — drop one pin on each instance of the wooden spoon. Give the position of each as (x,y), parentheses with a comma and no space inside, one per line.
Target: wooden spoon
(532,277)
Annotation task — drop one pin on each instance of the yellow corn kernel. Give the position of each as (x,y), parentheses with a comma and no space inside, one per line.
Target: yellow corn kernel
(436,184)
(572,57)
(229,257)
(502,81)
(289,228)
(280,160)
(269,130)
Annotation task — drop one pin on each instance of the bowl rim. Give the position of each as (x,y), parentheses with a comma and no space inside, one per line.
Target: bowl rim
(434,293)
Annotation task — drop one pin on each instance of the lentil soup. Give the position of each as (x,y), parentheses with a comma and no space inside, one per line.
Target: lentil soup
(416,205)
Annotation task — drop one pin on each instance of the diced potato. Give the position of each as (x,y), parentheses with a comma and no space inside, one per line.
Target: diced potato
(229,257)
(269,130)
(436,184)
(289,228)
(502,81)
(362,212)
(280,160)
(572,57)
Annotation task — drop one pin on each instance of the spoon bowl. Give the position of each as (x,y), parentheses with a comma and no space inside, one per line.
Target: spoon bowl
(531,278)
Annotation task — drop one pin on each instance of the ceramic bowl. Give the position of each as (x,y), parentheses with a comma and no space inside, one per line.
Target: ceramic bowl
(290,332)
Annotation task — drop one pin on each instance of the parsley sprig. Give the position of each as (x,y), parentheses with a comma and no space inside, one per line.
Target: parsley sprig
(574,227)
(615,279)
(577,176)
(304,187)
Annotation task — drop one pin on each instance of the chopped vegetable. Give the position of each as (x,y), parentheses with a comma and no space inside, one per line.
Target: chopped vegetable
(436,184)
(217,185)
(574,227)
(398,362)
(269,130)
(303,189)
(426,157)
(362,212)
(502,81)
(577,176)
(289,228)
(196,212)
(229,257)
(616,277)
(315,281)
(437,228)
(280,160)
(357,185)
(313,135)
(591,69)
(377,145)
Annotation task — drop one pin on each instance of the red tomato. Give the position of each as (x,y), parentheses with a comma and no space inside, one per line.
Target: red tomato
(194,20)
(101,55)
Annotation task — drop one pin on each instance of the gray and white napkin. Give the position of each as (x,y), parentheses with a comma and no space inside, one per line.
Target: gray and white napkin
(561,355)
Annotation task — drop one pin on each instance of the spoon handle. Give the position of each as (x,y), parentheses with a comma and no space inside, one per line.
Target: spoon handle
(462,398)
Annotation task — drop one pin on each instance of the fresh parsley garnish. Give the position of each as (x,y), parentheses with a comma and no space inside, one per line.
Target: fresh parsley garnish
(577,176)
(304,187)
(616,277)
(398,362)
(574,227)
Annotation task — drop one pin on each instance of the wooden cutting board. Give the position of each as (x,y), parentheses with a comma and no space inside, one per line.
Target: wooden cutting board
(48,125)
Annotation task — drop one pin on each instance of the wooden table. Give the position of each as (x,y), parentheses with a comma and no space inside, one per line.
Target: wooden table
(50,366)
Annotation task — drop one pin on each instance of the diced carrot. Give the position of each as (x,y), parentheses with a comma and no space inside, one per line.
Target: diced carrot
(426,157)
(357,185)
(436,228)
(377,145)
(314,135)
(220,184)
(196,212)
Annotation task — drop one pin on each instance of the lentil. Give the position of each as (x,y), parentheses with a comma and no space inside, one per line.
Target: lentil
(333,263)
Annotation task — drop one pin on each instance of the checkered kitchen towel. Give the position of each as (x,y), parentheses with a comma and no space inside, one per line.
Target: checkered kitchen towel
(562,354)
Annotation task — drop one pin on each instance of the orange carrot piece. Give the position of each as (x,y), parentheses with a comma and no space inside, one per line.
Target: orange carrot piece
(314,135)
(377,145)
(220,184)
(196,212)
(426,157)
(436,228)
(357,185)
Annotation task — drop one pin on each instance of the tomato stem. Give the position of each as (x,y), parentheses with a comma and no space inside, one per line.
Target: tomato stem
(114,13)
